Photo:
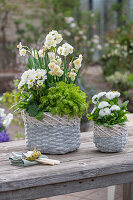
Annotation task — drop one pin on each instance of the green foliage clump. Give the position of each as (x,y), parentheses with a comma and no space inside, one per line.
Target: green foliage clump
(65,99)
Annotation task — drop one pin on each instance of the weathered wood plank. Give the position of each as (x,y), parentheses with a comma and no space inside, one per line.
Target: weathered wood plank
(84,165)
(66,187)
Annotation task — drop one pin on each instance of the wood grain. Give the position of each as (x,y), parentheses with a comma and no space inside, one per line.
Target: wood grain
(81,170)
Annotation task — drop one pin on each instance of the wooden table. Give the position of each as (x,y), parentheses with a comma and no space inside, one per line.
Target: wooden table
(81,170)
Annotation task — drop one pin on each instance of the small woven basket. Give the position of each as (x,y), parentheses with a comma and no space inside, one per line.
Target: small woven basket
(52,135)
(110,139)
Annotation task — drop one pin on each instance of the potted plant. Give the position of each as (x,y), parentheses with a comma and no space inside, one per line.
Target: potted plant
(5,121)
(51,102)
(110,131)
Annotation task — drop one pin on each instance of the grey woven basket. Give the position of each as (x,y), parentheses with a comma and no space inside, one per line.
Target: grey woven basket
(53,135)
(110,139)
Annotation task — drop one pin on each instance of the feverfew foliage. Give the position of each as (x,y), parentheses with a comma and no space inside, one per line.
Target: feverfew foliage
(107,111)
(65,99)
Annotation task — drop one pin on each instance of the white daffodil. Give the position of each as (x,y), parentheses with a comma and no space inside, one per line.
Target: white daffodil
(115,107)
(59,73)
(34,54)
(77,63)
(101,94)
(103,104)
(95,99)
(41,53)
(58,38)
(51,65)
(52,72)
(40,82)
(65,52)
(21,84)
(58,61)
(80,58)
(72,75)
(19,46)
(30,85)
(105,111)
(51,56)
(59,50)
(22,52)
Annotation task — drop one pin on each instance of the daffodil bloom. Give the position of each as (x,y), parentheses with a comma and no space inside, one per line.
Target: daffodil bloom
(19,46)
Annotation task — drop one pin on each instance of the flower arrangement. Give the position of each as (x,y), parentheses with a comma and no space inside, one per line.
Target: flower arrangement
(5,121)
(47,69)
(107,111)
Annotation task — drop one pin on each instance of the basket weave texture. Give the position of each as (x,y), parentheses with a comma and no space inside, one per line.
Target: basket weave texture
(52,135)
(110,139)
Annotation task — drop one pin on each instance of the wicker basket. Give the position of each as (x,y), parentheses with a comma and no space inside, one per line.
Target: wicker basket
(110,139)
(52,135)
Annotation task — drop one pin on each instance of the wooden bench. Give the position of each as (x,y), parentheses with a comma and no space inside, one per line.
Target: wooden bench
(82,170)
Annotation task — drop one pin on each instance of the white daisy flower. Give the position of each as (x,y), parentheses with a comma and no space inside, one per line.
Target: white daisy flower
(105,111)
(103,104)
(117,94)
(110,95)
(95,99)
(101,94)
(115,107)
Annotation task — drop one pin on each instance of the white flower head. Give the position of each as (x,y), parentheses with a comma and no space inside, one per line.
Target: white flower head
(8,120)
(59,50)
(22,52)
(51,65)
(101,94)
(95,99)
(110,95)
(72,75)
(117,94)
(34,54)
(51,56)
(58,61)
(2,113)
(69,19)
(80,58)
(40,82)
(105,111)
(77,63)
(19,46)
(59,73)
(103,104)
(115,107)
(41,53)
